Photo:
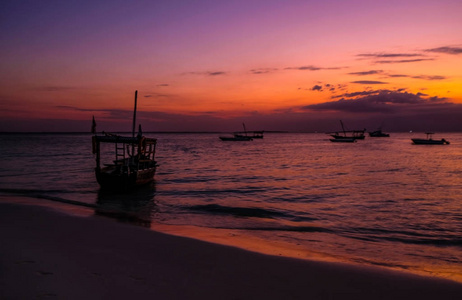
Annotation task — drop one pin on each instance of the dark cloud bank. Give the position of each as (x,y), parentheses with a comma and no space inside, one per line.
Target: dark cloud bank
(402,110)
(396,110)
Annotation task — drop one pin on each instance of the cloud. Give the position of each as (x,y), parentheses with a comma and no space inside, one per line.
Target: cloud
(424,77)
(381,72)
(380,101)
(312,68)
(304,68)
(208,73)
(163,85)
(429,77)
(320,87)
(446,50)
(388,55)
(215,73)
(356,94)
(397,75)
(158,95)
(263,70)
(394,58)
(330,87)
(369,82)
(108,113)
(401,111)
(364,73)
(402,61)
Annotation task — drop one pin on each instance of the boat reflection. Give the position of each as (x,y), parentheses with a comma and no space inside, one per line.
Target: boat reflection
(136,207)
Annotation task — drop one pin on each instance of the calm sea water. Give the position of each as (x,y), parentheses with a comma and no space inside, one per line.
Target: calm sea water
(381,201)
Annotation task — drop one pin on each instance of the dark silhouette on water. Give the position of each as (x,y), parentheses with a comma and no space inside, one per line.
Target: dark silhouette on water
(134,159)
(378,133)
(243,135)
(347,136)
(429,140)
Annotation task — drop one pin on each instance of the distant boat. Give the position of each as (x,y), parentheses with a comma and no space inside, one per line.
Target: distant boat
(252,134)
(343,140)
(429,140)
(134,159)
(378,133)
(347,134)
(243,135)
(236,138)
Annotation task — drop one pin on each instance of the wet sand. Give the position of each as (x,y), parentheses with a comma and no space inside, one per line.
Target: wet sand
(50,255)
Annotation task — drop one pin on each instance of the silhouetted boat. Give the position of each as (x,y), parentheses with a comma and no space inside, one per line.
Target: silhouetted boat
(347,134)
(343,140)
(243,135)
(134,159)
(378,133)
(251,134)
(429,140)
(236,138)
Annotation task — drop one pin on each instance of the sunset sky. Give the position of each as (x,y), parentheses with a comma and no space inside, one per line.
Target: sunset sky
(211,65)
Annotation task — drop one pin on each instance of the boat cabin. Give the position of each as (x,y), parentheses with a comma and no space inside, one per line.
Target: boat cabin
(124,162)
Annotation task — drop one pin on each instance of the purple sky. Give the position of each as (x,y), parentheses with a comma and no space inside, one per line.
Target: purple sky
(211,65)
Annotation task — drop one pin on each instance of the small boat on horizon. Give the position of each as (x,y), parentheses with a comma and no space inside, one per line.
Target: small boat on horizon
(134,158)
(235,138)
(429,140)
(378,133)
(251,134)
(344,140)
(243,135)
(347,135)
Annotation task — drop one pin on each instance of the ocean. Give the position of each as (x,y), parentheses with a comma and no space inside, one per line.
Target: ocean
(380,201)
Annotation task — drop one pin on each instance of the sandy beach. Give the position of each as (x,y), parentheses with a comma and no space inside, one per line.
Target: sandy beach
(45,254)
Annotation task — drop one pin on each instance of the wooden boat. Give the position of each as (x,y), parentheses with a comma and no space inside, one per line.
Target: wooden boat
(243,135)
(343,140)
(236,138)
(133,163)
(252,134)
(378,133)
(429,140)
(348,134)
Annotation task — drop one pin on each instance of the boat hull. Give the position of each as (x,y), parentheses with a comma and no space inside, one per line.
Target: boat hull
(430,142)
(236,139)
(378,134)
(343,140)
(342,137)
(124,181)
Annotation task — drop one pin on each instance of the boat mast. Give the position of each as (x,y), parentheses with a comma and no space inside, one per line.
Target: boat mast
(245,131)
(344,133)
(134,115)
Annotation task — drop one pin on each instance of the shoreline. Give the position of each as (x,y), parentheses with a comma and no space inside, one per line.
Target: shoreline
(46,253)
(226,237)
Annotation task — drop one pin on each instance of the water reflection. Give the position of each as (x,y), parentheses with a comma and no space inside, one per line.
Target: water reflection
(135,207)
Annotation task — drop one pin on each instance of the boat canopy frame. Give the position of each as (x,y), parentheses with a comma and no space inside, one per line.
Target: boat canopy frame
(138,152)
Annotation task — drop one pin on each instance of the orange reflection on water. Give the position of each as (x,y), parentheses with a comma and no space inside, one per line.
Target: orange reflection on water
(277,247)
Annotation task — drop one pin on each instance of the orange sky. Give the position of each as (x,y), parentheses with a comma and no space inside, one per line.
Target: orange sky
(220,64)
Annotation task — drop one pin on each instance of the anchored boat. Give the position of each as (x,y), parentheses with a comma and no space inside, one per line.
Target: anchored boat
(243,135)
(343,140)
(378,133)
(429,140)
(347,136)
(133,161)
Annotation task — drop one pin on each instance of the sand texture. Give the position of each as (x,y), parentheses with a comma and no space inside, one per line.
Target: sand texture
(49,255)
